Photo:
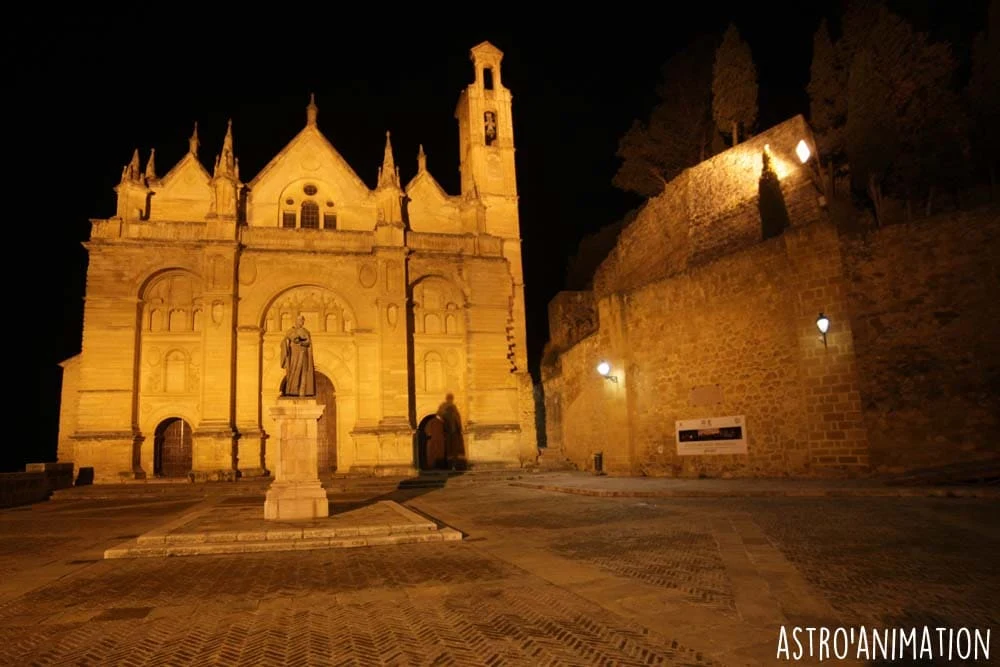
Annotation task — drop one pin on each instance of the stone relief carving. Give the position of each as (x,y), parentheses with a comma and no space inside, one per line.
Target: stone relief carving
(218,310)
(325,312)
(169,303)
(391,315)
(437,307)
(367,276)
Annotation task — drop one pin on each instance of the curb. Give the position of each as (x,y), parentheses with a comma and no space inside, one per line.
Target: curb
(917,492)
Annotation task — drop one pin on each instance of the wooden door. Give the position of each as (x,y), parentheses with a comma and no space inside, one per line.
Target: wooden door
(172,448)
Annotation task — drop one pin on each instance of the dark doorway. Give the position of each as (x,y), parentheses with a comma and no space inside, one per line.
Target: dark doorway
(431,444)
(327,427)
(172,448)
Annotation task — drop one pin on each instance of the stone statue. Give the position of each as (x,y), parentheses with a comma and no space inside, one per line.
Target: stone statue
(297,360)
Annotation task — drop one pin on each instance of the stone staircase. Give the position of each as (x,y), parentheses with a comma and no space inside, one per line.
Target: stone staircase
(552,459)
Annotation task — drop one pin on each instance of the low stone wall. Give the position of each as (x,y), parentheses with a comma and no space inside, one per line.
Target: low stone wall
(35,484)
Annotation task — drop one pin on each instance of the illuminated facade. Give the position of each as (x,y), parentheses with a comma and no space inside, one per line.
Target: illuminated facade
(410,294)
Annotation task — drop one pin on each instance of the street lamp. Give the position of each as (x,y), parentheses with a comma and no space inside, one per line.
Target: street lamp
(823,324)
(603,369)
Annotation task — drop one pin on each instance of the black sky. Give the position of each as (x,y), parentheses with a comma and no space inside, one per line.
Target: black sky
(89,89)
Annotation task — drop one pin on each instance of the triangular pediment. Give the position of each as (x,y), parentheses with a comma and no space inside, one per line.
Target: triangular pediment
(184,193)
(486,49)
(187,176)
(310,155)
(423,186)
(430,208)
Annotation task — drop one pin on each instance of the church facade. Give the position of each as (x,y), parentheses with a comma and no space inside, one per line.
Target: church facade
(409,294)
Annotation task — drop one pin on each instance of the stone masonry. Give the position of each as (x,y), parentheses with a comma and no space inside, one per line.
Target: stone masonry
(700,318)
(410,293)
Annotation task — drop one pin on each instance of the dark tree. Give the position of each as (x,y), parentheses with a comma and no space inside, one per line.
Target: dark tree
(734,86)
(771,202)
(904,122)
(871,136)
(679,131)
(828,104)
(983,96)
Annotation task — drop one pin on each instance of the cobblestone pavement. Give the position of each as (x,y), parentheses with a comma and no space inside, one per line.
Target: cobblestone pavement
(541,579)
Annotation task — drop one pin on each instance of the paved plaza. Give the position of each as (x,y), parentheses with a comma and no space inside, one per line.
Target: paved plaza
(541,577)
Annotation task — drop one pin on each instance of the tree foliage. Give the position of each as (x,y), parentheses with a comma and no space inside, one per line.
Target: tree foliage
(678,132)
(905,127)
(828,98)
(734,86)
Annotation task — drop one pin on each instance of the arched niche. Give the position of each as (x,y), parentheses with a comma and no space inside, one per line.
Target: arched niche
(437,307)
(325,312)
(170,301)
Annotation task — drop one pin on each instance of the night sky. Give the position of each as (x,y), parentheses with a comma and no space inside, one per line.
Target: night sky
(87,90)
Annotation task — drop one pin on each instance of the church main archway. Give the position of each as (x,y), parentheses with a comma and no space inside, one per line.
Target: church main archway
(172,448)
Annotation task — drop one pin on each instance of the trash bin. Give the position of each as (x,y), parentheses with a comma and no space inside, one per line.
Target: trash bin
(598,463)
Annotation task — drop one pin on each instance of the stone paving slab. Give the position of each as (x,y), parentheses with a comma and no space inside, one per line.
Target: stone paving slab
(236,526)
(657,487)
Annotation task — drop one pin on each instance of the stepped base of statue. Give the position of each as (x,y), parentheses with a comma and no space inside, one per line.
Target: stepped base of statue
(296,492)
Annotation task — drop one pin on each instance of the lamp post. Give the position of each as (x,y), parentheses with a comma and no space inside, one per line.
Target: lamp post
(823,324)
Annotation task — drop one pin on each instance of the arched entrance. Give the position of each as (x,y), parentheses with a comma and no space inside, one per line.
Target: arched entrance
(327,427)
(172,448)
(431,444)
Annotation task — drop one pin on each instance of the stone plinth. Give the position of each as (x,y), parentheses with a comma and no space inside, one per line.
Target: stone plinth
(296,492)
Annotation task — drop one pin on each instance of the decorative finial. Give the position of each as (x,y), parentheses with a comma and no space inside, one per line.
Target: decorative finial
(193,141)
(387,173)
(311,110)
(134,171)
(151,166)
(225,163)
(421,160)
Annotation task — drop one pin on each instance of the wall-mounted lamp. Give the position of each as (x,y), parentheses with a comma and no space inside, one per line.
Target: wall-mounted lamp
(803,152)
(823,324)
(604,368)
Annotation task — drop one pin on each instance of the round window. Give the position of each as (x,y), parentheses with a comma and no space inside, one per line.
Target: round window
(329,204)
(290,201)
(310,190)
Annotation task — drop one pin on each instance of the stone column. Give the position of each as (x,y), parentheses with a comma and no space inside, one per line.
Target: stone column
(250,447)
(214,435)
(296,492)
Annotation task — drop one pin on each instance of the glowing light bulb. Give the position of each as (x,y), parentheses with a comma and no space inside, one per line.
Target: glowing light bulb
(802,150)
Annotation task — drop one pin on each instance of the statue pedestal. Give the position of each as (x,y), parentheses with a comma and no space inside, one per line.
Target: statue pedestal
(296,492)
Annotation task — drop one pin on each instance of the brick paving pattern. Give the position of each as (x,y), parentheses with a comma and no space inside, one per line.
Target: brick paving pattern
(542,579)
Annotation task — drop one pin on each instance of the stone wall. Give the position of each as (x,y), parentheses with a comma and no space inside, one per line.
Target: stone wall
(691,298)
(925,312)
(710,211)
(744,325)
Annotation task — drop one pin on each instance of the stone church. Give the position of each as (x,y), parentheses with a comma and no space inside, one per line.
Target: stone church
(410,294)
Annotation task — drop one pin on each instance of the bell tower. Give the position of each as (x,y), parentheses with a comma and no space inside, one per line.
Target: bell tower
(486,145)
(486,142)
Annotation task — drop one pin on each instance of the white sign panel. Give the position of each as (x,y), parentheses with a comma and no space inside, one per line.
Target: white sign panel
(716,435)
